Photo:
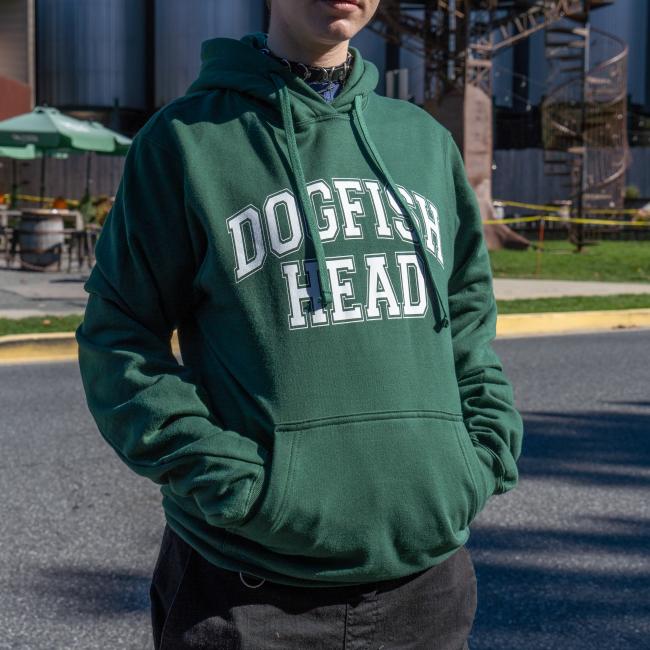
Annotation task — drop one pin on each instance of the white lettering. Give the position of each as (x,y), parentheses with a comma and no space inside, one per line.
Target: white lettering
(248,218)
(342,289)
(327,211)
(382,228)
(431,222)
(287,202)
(351,207)
(298,293)
(407,234)
(380,288)
(417,307)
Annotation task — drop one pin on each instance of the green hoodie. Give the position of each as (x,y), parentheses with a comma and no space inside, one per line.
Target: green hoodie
(340,416)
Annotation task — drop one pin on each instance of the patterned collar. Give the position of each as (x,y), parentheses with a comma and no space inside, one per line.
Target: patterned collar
(335,74)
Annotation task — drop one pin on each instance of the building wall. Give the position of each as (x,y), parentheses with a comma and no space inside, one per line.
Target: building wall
(16,57)
(628,19)
(373,48)
(15,98)
(65,177)
(519,175)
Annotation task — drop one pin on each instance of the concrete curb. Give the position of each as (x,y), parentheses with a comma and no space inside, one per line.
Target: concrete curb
(62,346)
(41,348)
(568,322)
(25,348)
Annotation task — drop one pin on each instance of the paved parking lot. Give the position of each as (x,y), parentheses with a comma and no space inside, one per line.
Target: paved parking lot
(561,561)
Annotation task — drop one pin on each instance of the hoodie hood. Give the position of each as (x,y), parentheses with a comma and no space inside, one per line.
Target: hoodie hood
(240,65)
(228,63)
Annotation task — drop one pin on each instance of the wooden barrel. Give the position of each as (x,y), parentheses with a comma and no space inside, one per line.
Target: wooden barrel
(40,239)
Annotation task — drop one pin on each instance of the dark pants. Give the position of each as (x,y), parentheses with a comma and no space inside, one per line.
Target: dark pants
(195,604)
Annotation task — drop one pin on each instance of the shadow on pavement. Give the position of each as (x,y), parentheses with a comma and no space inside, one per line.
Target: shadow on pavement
(571,607)
(75,591)
(570,580)
(605,448)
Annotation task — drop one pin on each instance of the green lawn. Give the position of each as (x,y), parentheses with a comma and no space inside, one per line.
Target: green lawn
(625,261)
(574,303)
(39,324)
(577,303)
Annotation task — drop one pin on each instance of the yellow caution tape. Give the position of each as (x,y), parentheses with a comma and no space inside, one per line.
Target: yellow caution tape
(535,217)
(546,217)
(557,208)
(530,206)
(46,199)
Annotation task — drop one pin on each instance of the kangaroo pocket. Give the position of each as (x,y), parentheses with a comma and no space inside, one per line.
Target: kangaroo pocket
(380,488)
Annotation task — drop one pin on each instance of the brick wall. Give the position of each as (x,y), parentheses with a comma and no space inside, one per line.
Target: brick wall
(15,98)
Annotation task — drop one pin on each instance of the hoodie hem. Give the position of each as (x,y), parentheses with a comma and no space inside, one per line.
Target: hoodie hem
(214,545)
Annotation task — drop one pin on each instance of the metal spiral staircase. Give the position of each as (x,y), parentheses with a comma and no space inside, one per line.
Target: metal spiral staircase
(584,113)
(584,126)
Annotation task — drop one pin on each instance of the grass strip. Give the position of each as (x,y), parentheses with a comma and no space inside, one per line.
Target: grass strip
(573,303)
(605,261)
(38,324)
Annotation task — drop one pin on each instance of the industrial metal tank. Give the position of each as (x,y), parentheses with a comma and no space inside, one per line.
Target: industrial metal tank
(92,53)
(181,27)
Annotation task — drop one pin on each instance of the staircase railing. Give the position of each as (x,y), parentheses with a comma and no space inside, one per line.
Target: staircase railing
(584,115)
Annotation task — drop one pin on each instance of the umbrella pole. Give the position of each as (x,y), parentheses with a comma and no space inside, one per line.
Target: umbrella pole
(42,178)
(88,174)
(14,185)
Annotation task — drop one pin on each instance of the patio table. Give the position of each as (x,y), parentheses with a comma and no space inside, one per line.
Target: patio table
(41,234)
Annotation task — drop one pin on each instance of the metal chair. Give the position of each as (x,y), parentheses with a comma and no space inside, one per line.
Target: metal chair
(80,244)
(7,244)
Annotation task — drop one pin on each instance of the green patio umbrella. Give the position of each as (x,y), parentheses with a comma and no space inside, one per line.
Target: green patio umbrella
(122,143)
(19,153)
(47,129)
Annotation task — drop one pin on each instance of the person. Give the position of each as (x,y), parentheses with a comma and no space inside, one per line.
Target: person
(340,416)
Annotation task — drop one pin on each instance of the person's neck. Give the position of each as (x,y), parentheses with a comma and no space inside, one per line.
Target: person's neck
(315,54)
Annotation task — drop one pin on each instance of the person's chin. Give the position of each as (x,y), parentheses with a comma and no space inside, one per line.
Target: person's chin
(350,20)
(339,30)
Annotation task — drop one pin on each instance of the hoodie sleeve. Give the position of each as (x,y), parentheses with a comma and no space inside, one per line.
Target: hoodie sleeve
(487,398)
(150,409)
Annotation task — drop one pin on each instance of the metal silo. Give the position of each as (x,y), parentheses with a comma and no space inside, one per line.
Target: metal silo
(92,53)
(181,27)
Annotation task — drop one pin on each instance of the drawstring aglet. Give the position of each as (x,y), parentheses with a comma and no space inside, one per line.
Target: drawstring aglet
(325,299)
(441,324)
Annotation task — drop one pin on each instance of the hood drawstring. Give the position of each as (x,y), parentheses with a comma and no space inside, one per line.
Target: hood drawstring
(301,188)
(374,153)
(306,205)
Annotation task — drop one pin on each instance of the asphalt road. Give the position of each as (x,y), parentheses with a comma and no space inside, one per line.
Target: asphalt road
(562,561)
